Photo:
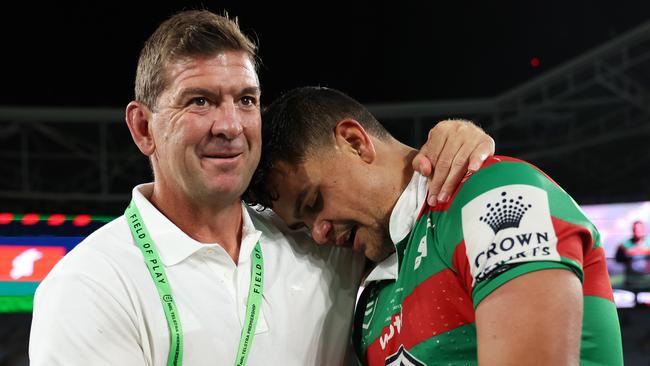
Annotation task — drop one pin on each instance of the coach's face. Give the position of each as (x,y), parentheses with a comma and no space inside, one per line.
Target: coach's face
(336,194)
(207,126)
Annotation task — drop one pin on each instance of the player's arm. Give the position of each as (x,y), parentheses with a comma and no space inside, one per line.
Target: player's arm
(453,147)
(534,319)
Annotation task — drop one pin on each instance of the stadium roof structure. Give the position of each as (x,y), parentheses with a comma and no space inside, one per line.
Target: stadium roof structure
(586,123)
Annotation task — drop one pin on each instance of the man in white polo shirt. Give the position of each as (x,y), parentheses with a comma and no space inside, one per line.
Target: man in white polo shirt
(190,275)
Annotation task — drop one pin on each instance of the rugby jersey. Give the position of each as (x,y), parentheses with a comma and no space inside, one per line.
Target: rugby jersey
(505,220)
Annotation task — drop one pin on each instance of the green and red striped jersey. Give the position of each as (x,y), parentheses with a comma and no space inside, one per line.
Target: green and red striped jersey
(505,220)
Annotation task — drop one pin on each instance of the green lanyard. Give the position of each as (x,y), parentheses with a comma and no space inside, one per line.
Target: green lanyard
(157,271)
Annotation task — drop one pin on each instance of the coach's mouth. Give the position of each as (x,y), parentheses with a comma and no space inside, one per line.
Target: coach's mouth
(230,155)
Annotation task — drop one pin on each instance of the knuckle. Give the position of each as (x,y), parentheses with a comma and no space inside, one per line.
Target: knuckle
(442,125)
(444,163)
(432,156)
(460,161)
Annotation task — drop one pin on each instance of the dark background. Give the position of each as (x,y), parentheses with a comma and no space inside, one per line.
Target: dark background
(84,53)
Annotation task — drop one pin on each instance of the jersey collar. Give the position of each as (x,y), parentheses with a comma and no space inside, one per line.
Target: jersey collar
(402,219)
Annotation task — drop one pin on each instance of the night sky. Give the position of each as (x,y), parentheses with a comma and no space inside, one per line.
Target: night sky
(85,53)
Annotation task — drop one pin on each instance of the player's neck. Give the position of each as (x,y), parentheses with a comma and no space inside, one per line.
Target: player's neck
(402,161)
(397,157)
(202,220)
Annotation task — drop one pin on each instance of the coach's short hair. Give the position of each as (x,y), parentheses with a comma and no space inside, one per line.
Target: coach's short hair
(188,34)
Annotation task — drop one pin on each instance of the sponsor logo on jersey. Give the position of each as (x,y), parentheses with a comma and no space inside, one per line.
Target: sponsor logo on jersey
(403,358)
(509,214)
(394,328)
(508,225)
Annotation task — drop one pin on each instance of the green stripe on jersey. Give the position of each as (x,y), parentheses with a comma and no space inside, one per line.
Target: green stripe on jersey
(379,311)
(418,254)
(600,328)
(456,347)
(485,288)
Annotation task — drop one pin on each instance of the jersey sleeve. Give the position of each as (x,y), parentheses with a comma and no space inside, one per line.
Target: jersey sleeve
(509,219)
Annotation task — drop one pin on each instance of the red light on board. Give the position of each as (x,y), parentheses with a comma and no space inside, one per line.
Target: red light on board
(81,220)
(56,220)
(31,219)
(6,218)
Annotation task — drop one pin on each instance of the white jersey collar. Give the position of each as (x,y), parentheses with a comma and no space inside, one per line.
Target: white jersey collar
(402,219)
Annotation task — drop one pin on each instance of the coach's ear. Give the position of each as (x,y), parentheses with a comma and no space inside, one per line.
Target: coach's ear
(352,138)
(138,119)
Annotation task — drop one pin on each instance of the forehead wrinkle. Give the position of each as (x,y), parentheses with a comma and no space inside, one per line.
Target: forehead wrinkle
(182,65)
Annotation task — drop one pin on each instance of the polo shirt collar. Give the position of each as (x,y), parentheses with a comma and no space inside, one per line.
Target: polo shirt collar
(402,219)
(173,245)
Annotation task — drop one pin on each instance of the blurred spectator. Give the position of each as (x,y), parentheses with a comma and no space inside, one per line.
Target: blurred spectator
(634,253)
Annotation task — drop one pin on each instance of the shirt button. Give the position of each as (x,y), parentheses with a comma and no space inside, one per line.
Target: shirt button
(209,251)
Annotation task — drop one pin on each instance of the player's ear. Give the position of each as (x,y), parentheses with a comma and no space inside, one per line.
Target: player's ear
(352,138)
(138,119)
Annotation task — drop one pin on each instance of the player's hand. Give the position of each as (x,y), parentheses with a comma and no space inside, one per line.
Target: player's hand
(453,148)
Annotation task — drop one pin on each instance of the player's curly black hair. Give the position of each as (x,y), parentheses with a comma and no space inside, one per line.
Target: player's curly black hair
(296,122)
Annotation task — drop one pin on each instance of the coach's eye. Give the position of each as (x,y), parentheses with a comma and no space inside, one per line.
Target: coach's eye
(248,101)
(200,101)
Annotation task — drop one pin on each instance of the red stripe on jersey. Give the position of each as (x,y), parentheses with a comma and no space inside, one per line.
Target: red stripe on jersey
(435,306)
(460,263)
(497,159)
(597,282)
(572,240)
(575,242)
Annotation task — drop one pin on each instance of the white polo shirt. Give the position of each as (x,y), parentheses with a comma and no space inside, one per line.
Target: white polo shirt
(99,305)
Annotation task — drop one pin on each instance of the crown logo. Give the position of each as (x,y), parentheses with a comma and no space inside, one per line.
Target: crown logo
(504,213)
